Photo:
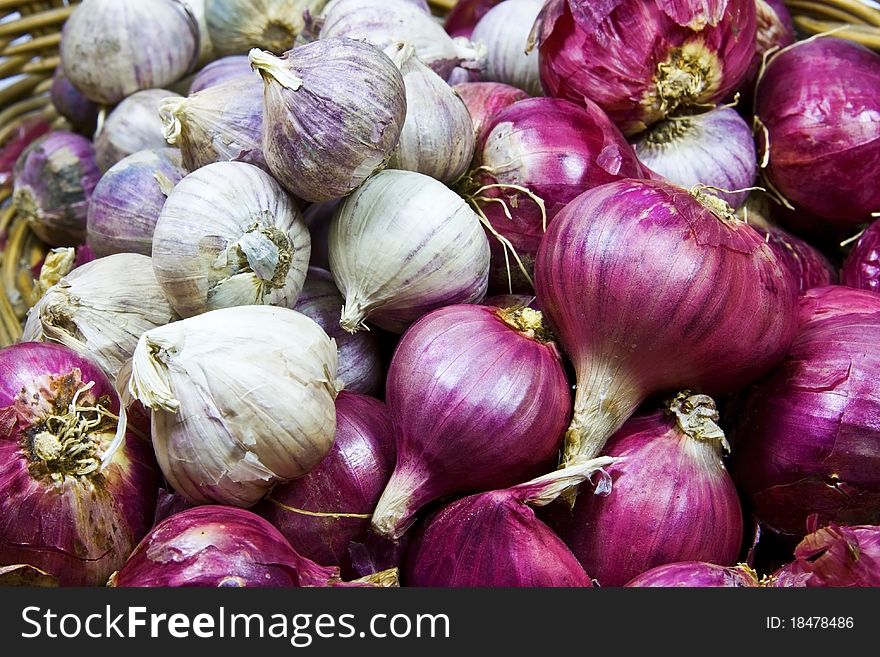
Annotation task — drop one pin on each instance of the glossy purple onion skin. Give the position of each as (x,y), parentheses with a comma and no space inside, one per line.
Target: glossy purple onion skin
(489,540)
(222,70)
(350,479)
(806,263)
(672,501)
(806,441)
(609,52)
(83,530)
(715,148)
(861,269)
(820,104)
(649,291)
(695,574)
(53,180)
(128,200)
(219,546)
(360,358)
(475,405)
(80,112)
(485,100)
(556,150)
(464,16)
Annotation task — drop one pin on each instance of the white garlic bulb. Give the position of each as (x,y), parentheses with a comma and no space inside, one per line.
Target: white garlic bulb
(236,26)
(402,245)
(504,33)
(101,309)
(242,398)
(437,137)
(229,235)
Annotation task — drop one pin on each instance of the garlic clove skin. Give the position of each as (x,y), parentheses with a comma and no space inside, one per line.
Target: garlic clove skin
(236,26)
(111,49)
(232,417)
(403,245)
(101,309)
(229,235)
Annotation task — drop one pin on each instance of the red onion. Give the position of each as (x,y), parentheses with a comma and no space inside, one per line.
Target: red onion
(76,491)
(551,149)
(775,31)
(322,513)
(128,200)
(133,126)
(53,179)
(219,546)
(861,269)
(642,60)
(479,400)
(504,32)
(672,501)
(494,539)
(818,104)
(715,148)
(80,112)
(220,71)
(697,574)
(650,287)
(360,359)
(836,556)
(485,100)
(807,441)
(464,16)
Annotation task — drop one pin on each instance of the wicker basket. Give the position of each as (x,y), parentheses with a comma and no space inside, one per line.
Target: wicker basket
(30,33)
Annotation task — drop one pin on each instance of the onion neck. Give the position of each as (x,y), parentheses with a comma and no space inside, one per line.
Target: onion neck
(395,512)
(526,321)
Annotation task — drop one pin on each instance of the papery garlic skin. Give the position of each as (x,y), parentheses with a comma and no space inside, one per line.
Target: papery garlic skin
(220,124)
(504,33)
(111,49)
(133,126)
(236,26)
(242,398)
(437,137)
(206,46)
(403,245)
(101,309)
(229,235)
(334,110)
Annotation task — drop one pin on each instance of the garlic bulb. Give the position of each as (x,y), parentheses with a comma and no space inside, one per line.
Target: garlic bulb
(437,137)
(386,22)
(403,245)
(111,49)
(229,236)
(206,46)
(134,125)
(220,71)
(220,124)
(242,398)
(504,33)
(236,26)
(334,109)
(101,309)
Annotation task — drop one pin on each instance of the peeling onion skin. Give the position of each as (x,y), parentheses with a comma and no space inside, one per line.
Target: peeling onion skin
(475,405)
(133,126)
(861,269)
(697,574)
(715,148)
(612,53)
(820,104)
(82,529)
(360,355)
(635,277)
(485,100)
(555,149)
(53,179)
(495,540)
(321,149)
(672,499)
(835,556)
(218,546)
(806,440)
(349,480)
(161,46)
(220,71)
(127,202)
